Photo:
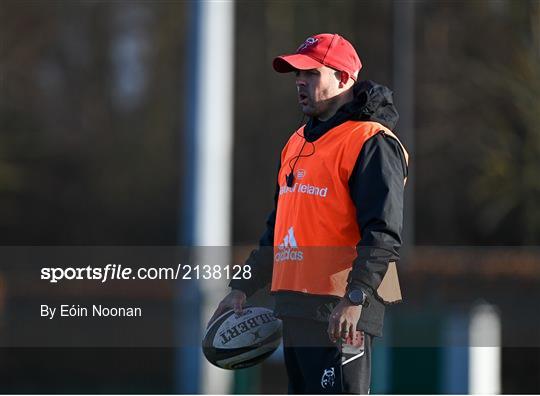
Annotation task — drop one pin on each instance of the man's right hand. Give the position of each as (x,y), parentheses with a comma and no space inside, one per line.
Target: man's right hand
(234,300)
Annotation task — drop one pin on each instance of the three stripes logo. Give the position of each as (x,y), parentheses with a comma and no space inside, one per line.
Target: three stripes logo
(289,240)
(288,249)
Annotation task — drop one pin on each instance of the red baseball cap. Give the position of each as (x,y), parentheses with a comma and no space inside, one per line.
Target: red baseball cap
(324,49)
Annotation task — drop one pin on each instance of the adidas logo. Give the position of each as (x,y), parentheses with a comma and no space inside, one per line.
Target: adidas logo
(288,249)
(289,240)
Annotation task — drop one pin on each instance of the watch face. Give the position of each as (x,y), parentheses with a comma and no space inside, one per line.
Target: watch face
(356,297)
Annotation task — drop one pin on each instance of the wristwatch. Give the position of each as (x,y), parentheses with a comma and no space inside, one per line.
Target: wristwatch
(356,297)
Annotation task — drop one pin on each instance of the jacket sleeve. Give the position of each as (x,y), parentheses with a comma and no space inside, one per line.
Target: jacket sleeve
(376,187)
(261,260)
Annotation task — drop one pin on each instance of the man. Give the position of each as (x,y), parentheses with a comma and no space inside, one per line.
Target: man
(340,186)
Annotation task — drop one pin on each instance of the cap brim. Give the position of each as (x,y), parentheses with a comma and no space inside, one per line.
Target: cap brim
(289,63)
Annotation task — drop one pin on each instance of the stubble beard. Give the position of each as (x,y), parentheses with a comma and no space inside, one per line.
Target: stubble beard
(310,110)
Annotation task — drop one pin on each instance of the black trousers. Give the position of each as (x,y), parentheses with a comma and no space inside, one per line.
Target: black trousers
(315,365)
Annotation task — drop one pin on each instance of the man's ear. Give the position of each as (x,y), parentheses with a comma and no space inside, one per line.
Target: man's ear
(344,77)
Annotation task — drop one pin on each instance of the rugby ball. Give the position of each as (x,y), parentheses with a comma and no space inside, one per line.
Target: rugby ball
(238,341)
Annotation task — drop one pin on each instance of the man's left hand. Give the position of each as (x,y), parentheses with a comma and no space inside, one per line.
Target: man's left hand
(343,320)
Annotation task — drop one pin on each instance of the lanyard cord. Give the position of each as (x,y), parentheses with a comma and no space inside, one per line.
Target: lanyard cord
(290,177)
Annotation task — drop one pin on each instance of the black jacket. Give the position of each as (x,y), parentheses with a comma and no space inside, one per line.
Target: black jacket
(376,188)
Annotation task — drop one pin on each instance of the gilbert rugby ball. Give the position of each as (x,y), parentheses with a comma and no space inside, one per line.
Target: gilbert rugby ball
(239,341)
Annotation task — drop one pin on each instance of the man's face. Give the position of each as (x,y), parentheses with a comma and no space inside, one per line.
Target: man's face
(317,90)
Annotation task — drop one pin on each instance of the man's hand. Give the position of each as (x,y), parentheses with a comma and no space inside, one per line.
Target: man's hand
(235,300)
(343,320)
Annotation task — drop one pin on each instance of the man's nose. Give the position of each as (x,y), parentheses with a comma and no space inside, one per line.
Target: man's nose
(300,82)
